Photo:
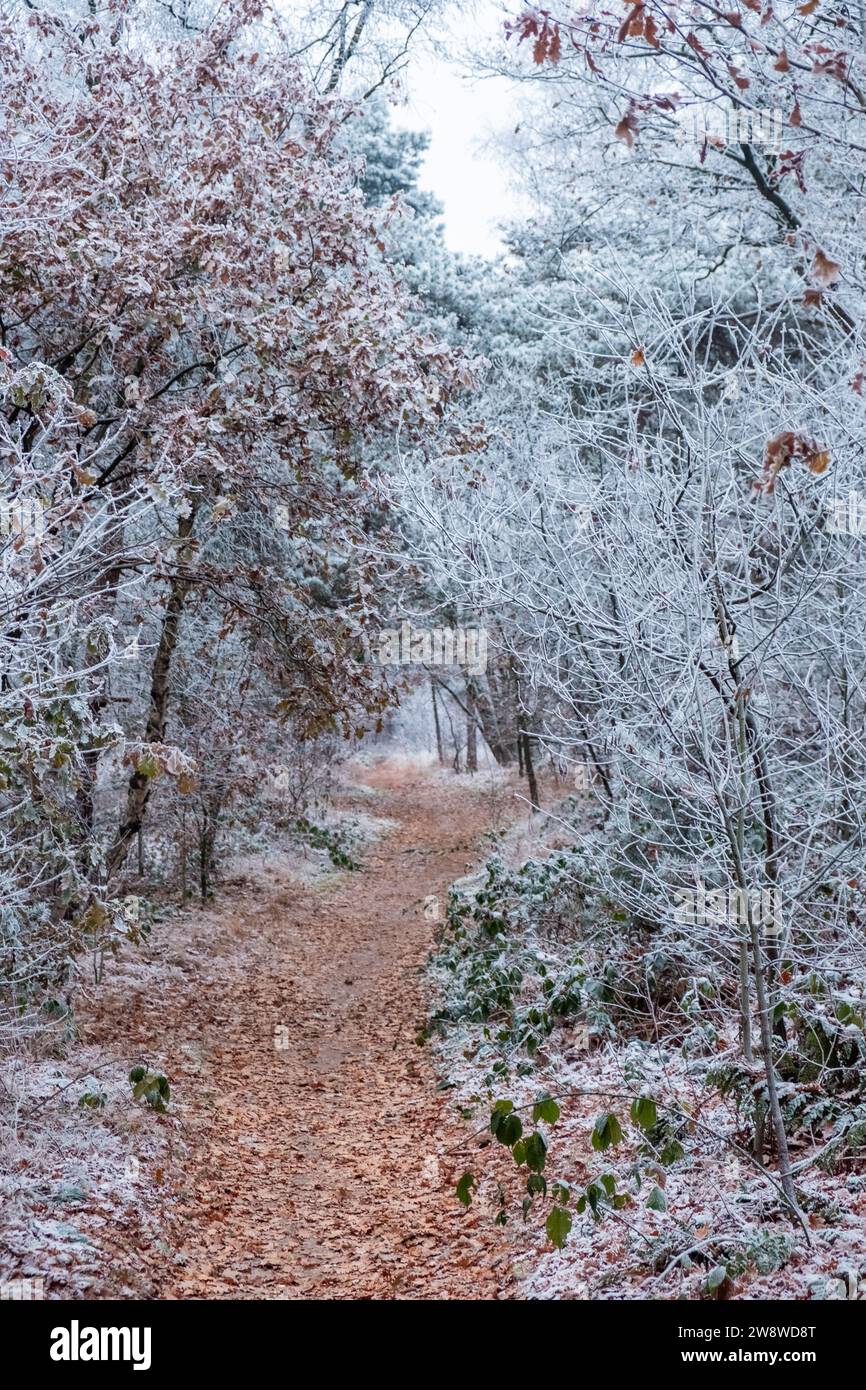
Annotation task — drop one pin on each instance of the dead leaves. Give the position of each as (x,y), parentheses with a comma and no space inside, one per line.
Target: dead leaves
(277,1197)
(627,128)
(547,47)
(781,451)
(639,24)
(694,42)
(825,270)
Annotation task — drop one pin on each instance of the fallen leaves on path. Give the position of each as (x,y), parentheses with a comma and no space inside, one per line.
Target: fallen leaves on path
(320,1158)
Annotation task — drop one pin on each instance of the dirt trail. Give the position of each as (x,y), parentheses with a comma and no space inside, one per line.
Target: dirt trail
(321,1169)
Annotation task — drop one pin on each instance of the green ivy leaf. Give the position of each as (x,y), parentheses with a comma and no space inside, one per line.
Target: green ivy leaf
(558,1225)
(607,1132)
(464,1189)
(672,1152)
(545,1108)
(657,1201)
(508,1130)
(536,1152)
(644,1112)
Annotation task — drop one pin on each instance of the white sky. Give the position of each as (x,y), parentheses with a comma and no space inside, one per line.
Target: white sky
(460,114)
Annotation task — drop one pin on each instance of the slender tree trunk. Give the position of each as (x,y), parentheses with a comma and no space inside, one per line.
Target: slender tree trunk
(750,738)
(778,1123)
(440,751)
(526,741)
(495,724)
(471,737)
(139,787)
(207,839)
(183,887)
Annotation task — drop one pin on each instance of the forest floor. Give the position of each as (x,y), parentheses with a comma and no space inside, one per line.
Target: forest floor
(307,1151)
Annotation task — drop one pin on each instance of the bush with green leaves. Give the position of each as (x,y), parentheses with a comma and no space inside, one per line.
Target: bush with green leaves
(603,1196)
(151,1087)
(333,842)
(507,959)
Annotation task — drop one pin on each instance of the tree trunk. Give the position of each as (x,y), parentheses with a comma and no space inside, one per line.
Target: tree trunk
(526,743)
(440,751)
(207,840)
(139,787)
(492,714)
(471,737)
(777,1121)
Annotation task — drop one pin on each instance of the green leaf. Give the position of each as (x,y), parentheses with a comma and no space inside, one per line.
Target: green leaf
(519,1152)
(657,1200)
(644,1112)
(672,1152)
(608,1182)
(558,1225)
(508,1130)
(536,1152)
(504,1124)
(716,1277)
(536,1185)
(607,1131)
(545,1108)
(137,1074)
(464,1189)
(594,1195)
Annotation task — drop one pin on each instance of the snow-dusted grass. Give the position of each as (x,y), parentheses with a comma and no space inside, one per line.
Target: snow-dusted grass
(74,1178)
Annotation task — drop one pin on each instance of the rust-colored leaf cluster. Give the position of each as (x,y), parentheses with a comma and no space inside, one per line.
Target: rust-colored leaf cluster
(782,450)
(543,30)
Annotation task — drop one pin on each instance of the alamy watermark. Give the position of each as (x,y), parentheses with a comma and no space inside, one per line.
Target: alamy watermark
(22,516)
(431,907)
(584,776)
(438,646)
(731,907)
(709,124)
(847,515)
(77,1343)
(22,1290)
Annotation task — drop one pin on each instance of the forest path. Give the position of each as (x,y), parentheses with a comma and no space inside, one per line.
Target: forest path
(325,1168)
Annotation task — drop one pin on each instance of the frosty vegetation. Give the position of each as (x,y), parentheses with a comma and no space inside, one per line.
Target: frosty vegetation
(254,413)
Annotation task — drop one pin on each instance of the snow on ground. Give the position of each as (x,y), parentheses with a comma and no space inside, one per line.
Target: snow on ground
(81,1161)
(76,1176)
(718,1206)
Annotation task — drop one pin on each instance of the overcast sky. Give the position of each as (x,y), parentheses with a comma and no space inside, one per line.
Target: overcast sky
(461,113)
